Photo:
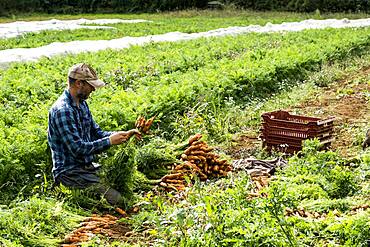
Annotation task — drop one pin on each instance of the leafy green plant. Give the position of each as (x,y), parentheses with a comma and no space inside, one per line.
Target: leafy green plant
(36,222)
(153,158)
(119,170)
(245,67)
(342,182)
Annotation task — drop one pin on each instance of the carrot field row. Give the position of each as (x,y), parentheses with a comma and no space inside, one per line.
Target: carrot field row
(163,79)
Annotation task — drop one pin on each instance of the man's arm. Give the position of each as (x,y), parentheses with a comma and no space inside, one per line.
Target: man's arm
(115,136)
(67,128)
(97,132)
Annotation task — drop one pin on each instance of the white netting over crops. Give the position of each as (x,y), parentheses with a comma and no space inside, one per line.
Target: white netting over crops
(73,47)
(14,29)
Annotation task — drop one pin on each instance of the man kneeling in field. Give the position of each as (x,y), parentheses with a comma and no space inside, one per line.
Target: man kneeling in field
(74,137)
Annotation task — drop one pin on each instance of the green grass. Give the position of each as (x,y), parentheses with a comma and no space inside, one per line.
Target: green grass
(218,212)
(183,21)
(158,79)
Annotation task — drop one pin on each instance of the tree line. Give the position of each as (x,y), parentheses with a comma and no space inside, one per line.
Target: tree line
(91,6)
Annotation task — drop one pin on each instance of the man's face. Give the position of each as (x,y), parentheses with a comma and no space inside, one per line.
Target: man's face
(84,91)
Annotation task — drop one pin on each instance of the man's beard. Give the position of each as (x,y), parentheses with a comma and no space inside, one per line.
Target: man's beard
(82,96)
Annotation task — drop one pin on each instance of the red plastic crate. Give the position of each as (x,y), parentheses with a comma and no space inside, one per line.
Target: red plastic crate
(285,132)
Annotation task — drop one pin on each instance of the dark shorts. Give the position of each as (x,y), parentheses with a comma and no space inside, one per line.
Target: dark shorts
(80,178)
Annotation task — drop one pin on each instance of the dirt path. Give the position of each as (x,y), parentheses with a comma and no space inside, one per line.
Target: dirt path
(347,99)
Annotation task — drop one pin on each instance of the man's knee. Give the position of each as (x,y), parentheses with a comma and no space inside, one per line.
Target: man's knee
(110,194)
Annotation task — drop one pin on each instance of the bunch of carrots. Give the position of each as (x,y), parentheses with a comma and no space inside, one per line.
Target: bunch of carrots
(143,125)
(197,160)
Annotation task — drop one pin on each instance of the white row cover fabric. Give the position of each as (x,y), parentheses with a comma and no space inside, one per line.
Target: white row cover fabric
(14,29)
(74,47)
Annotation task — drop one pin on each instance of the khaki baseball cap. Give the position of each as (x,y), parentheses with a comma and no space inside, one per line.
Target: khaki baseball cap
(83,71)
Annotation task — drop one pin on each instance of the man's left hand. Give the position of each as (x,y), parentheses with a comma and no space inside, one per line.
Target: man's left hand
(128,134)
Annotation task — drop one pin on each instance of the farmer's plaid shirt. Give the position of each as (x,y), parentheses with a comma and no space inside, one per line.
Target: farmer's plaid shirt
(73,135)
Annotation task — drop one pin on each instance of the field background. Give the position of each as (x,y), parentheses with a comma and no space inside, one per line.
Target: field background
(215,86)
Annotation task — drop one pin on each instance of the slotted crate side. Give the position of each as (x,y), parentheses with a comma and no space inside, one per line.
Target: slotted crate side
(291,148)
(284,119)
(292,140)
(296,125)
(286,116)
(281,127)
(299,133)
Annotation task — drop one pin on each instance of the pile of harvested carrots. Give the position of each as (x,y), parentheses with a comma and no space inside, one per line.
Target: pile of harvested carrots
(89,228)
(197,160)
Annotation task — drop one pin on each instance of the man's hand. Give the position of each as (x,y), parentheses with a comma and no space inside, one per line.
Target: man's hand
(122,136)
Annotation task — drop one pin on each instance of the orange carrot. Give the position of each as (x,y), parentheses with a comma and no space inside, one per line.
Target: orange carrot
(180,187)
(202,176)
(202,159)
(221,162)
(173,176)
(191,148)
(182,171)
(97,230)
(228,168)
(206,167)
(95,219)
(110,217)
(138,136)
(198,153)
(170,186)
(206,149)
(139,122)
(149,122)
(193,157)
(83,224)
(211,156)
(174,181)
(223,173)
(71,239)
(121,211)
(194,138)
(200,143)
(192,166)
(179,167)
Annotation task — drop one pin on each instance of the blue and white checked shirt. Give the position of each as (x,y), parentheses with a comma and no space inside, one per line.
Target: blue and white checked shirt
(73,135)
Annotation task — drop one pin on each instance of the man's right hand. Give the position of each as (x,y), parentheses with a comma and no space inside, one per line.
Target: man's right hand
(122,136)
